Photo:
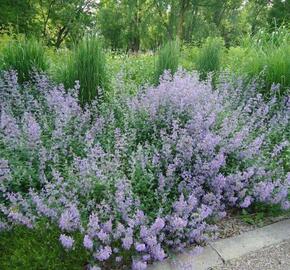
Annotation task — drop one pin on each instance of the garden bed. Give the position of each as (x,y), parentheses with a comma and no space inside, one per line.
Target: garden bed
(125,182)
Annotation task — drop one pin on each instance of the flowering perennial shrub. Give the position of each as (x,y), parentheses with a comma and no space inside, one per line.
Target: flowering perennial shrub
(145,174)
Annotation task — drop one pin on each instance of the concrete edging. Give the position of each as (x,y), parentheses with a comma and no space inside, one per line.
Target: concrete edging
(220,251)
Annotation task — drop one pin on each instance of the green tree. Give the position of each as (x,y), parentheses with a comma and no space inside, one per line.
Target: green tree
(279,13)
(62,20)
(111,23)
(124,24)
(18,14)
(189,19)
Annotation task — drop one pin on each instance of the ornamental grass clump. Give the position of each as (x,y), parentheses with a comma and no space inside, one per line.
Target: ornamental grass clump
(142,176)
(25,56)
(168,59)
(87,64)
(265,55)
(209,58)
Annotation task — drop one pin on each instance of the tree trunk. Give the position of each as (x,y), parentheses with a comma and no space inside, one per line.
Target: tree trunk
(63,32)
(184,5)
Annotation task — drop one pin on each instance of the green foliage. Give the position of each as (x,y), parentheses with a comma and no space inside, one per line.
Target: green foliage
(276,64)
(188,57)
(267,39)
(259,213)
(209,59)
(277,137)
(24,56)
(168,59)
(112,30)
(129,72)
(24,177)
(279,12)
(233,58)
(25,249)
(58,60)
(87,65)
(64,22)
(270,58)
(265,55)
(132,25)
(18,15)
(7,36)
(145,186)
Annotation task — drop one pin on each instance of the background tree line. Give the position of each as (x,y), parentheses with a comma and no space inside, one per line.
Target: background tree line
(140,24)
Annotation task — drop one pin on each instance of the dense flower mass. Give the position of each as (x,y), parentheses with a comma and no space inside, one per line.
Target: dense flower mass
(142,175)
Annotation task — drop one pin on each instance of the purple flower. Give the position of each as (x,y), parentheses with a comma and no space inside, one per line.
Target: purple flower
(198,151)
(42,208)
(140,247)
(107,227)
(178,223)
(66,241)
(139,265)
(19,218)
(247,202)
(93,225)
(127,242)
(104,253)
(9,127)
(88,243)
(285,205)
(104,237)
(264,190)
(180,205)
(140,217)
(120,230)
(70,219)
(205,211)
(158,253)
(33,130)
(151,240)
(158,225)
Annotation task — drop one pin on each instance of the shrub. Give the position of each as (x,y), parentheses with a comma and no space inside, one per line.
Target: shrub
(188,57)
(234,58)
(168,58)
(86,64)
(24,56)
(134,71)
(209,59)
(7,35)
(142,181)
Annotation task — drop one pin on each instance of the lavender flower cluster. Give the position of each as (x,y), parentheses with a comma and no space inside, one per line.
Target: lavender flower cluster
(141,177)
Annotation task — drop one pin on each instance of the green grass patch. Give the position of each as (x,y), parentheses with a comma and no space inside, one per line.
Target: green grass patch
(25,249)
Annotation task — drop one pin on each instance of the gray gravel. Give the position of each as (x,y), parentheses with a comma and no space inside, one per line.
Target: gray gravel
(276,257)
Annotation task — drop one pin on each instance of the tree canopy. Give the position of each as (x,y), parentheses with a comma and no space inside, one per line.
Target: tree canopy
(141,24)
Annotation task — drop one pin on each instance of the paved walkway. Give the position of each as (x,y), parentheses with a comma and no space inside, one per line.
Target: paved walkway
(275,257)
(266,248)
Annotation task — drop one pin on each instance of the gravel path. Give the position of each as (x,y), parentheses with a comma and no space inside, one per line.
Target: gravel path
(276,257)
